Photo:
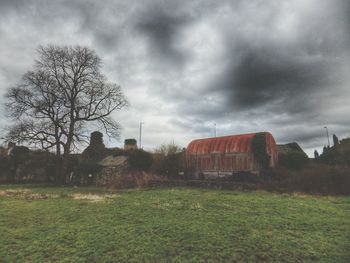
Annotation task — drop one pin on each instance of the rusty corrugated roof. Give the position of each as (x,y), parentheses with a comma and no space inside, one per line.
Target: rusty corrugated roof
(227,144)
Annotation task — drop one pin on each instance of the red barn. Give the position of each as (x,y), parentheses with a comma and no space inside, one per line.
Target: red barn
(223,156)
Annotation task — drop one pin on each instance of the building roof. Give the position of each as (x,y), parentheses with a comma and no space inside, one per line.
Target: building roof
(289,147)
(113,161)
(228,144)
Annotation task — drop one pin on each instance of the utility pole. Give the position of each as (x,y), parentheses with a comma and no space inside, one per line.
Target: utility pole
(140,143)
(327,135)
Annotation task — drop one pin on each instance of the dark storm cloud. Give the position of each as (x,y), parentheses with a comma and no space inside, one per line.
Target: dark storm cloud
(8,5)
(264,76)
(163,27)
(274,65)
(268,70)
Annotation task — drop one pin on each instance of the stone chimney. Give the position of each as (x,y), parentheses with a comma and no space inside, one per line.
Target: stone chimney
(96,138)
(130,144)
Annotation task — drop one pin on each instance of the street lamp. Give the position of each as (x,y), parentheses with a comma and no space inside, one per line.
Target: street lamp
(140,144)
(325,127)
(214,129)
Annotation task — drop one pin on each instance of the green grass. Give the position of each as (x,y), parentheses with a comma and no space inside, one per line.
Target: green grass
(46,224)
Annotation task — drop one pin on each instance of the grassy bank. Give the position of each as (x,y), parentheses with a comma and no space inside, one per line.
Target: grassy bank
(42,224)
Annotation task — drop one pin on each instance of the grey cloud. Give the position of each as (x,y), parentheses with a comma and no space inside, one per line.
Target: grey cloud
(163,27)
(291,81)
(264,76)
(266,69)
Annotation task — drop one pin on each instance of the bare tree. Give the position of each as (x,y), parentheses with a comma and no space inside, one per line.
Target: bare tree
(57,100)
(168,149)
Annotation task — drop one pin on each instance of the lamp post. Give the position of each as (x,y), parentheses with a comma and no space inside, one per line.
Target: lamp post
(325,127)
(214,129)
(140,143)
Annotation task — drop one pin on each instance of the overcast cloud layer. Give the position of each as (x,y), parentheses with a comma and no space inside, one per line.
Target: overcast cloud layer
(279,66)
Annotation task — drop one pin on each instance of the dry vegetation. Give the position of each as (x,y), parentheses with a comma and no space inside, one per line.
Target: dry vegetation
(313,179)
(136,179)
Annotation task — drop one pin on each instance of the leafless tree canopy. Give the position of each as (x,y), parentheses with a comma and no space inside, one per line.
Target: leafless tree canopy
(168,148)
(57,100)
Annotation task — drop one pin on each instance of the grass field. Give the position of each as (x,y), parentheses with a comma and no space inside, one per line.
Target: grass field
(43,224)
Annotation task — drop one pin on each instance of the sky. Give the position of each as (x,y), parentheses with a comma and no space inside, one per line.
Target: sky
(281,66)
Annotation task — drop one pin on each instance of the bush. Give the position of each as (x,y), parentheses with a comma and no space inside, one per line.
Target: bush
(19,154)
(39,167)
(294,160)
(170,165)
(245,177)
(72,162)
(6,167)
(85,173)
(337,155)
(136,180)
(86,168)
(314,179)
(5,163)
(140,160)
(259,149)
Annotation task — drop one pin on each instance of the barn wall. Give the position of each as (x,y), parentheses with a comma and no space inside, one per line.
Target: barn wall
(271,148)
(222,162)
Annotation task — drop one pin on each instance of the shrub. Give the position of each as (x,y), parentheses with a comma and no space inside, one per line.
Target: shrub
(314,179)
(170,165)
(72,162)
(39,166)
(337,155)
(136,179)
(294,160)
(19,154)
(85,173)
(246,177)
(259,149)
(6,167)
(85,168)
(5,163)
(140,160)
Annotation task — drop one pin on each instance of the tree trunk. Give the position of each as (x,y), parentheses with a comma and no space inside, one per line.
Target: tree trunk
(65,162)
(66,152)
(59,168)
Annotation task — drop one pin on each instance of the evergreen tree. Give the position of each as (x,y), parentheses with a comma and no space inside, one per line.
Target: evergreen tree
(335,140)
(316,154)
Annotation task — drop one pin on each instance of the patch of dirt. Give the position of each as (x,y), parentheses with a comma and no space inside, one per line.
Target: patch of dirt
(94,198)
(16,192)
(196,206)
(313,196)
(26,194)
